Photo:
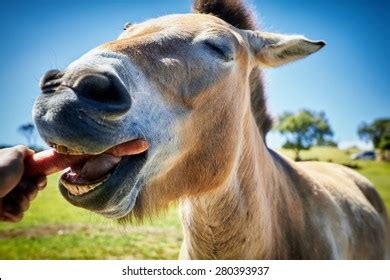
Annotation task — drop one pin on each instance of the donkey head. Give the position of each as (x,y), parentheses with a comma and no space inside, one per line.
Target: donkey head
(179,82)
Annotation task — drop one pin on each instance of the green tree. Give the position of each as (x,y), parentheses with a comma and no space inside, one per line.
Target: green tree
(378,132)
(303,130)
(27,130)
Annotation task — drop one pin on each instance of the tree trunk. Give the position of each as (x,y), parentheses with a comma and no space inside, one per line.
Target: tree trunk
(297,157)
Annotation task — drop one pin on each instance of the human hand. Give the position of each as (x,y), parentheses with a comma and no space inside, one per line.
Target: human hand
(16,191)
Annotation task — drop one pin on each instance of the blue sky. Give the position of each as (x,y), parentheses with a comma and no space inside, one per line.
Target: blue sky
(348,79)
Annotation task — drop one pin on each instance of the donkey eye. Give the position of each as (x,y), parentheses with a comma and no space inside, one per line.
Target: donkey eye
(221,51)
(127,25)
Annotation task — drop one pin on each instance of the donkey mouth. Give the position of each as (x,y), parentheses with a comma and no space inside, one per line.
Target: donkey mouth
(87,176)
(90,171)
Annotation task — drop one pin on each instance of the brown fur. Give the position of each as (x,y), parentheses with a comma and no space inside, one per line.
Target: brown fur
(241,200)
(235,13)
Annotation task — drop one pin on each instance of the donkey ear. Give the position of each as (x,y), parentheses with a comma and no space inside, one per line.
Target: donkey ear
(271,50)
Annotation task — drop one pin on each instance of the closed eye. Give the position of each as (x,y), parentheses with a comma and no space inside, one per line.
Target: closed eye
(127,25)
(223,52)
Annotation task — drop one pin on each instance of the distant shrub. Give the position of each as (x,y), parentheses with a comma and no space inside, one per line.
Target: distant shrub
(352,165)
(309,159)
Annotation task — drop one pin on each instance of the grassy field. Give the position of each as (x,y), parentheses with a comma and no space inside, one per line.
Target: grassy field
(53,229)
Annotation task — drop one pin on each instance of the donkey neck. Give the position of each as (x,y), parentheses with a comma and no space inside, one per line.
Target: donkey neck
(239,220)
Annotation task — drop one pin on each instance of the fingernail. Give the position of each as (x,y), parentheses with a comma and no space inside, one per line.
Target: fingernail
(42,183)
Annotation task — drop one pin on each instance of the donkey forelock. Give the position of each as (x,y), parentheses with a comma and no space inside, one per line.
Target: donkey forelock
(233,12)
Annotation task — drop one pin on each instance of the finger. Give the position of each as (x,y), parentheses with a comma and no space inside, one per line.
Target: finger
(49,162)
(11,212)
(23,202)
(25,152)
(16,202)
(27,188)
(2,218)
(41,182)
(5,216)
(23,186)
(32,194)
(29,152)
(9,217)
(11,203)
(11,170)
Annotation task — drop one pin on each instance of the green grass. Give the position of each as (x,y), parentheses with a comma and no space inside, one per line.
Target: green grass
(54,229)
(51,208)
(94,245)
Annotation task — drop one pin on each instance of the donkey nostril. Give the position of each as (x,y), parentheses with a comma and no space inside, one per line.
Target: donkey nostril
(49,75)
(104,89)
(50,80)
(94,87)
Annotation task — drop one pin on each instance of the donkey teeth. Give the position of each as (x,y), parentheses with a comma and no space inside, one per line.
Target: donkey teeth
(79,190)
(61,149)
(82,189)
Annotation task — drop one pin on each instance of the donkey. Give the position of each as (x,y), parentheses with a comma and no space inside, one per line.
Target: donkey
(190,87)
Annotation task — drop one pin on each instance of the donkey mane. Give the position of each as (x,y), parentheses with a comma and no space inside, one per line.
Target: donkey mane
(237,14)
